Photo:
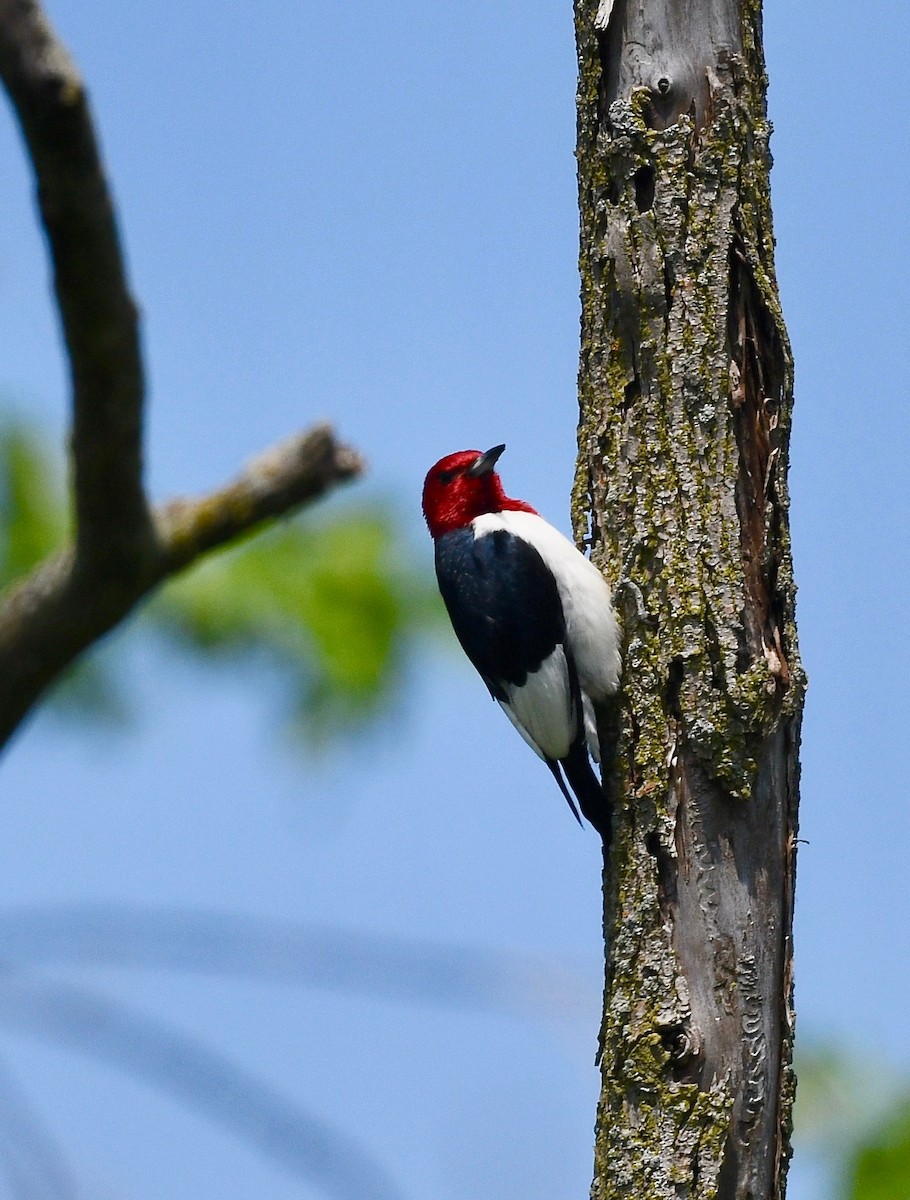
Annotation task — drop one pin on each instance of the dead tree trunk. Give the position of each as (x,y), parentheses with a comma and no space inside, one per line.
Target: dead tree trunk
(686,390)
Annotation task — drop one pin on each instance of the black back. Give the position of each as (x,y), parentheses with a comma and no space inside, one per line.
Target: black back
(503,603)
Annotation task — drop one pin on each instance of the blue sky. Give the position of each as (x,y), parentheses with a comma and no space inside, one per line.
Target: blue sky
(369,214)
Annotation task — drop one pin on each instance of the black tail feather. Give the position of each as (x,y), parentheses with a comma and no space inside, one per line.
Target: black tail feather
(592,796)
(557,775)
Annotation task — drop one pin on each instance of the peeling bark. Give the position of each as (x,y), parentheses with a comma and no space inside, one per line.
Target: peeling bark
(686,393)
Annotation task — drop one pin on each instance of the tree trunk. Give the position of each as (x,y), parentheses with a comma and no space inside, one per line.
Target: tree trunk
(686,391)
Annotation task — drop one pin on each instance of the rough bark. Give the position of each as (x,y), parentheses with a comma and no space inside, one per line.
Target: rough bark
(686,392)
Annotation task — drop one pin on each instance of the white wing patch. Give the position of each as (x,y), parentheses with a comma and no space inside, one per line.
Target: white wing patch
(541,709)
(590,727)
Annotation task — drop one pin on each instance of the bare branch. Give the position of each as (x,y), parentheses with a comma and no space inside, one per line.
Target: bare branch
(100,321)
(122,549)
(275,481)
(55,613)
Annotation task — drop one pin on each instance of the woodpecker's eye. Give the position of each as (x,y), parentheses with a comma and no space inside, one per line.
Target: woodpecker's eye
(445,476)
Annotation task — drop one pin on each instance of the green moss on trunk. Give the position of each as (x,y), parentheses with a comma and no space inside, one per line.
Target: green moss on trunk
(685,389)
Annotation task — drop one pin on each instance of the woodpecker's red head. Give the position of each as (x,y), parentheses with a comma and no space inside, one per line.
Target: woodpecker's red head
(463,486)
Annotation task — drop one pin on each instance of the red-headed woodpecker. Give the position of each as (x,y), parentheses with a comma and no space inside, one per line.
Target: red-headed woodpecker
(533,615)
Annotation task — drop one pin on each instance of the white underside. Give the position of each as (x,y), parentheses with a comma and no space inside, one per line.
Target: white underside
(541,708)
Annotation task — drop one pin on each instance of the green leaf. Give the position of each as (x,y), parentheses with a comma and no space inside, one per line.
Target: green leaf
(881,1166)
(33,524)
(328,604)
(32,513)
(848,1105)
(842,1096)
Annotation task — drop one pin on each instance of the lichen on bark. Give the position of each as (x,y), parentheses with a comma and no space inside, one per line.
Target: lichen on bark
(685,393)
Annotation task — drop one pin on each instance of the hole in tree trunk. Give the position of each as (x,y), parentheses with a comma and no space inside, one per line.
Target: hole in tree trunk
(644,180)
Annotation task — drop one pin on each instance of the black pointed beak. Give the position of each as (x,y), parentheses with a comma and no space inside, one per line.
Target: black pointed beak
(485,464)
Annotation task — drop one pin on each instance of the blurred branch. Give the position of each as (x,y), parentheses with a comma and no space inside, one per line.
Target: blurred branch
(122,548)
(36,1168)
(206,1080)
(294,954)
